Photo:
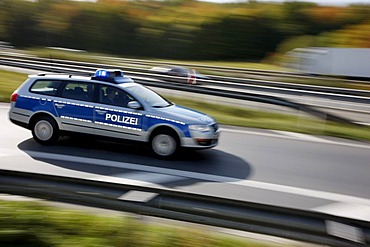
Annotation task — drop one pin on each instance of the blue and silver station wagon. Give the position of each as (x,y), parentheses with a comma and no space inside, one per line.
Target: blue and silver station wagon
(108,104)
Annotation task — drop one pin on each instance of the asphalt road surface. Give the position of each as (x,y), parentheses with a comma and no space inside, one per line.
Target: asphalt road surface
(280,168)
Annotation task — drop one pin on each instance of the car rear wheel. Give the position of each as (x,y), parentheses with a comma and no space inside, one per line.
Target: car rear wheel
(45,130)
(164,145)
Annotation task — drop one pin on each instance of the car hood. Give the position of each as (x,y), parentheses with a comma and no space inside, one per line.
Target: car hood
(184,114)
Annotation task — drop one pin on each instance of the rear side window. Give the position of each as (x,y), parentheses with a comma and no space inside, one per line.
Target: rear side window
(79,91)
(45,87)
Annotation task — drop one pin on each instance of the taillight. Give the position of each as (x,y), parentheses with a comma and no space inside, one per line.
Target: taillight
(14,97)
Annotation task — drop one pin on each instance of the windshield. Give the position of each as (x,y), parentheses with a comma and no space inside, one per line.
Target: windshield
(148,96)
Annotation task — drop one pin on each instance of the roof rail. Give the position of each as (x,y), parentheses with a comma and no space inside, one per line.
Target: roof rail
(44,74)
(68,74)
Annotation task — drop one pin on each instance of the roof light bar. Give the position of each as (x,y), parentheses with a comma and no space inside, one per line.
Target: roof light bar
(104,73)
(109,75)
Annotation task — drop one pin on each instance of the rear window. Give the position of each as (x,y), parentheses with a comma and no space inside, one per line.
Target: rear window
(46,87)
(79,91)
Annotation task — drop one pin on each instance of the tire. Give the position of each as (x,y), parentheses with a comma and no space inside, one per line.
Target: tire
(45,130)
(164,145)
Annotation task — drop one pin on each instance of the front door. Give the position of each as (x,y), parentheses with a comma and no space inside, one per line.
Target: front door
(113,118)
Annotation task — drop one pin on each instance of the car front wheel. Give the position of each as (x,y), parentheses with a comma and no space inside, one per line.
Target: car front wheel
(164,145)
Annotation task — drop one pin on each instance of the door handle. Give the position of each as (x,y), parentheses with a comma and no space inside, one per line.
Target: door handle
(101,111)
(59,105)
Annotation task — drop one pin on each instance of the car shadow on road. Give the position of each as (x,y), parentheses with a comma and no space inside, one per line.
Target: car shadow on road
(134,161)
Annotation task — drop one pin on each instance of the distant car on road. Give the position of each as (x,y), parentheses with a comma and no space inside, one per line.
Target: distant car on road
(108,104)
(179,74)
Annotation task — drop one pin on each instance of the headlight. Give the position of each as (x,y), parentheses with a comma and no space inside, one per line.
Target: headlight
(201,128)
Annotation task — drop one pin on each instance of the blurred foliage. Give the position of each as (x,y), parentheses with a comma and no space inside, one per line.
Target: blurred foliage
(182,29)
(33,224)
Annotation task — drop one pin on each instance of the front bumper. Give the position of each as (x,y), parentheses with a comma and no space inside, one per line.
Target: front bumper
(201,140)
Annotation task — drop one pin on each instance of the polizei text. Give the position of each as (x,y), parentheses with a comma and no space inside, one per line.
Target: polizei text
(121,119)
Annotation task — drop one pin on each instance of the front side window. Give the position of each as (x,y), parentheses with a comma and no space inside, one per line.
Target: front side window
(114,96)
(46,87)
(148,96)
(79,91)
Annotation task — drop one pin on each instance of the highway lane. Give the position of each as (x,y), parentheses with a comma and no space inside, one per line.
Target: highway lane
(279,168)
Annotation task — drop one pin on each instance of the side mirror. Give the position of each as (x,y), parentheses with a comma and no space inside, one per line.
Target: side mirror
(134,105)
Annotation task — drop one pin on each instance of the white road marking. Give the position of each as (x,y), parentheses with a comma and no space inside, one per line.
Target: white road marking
(195,175)
(4,155)
(150,177)
(302,136)
(10,152)
(249,132)
(130,166)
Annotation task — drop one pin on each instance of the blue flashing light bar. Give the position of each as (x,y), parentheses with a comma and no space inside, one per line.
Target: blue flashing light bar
(103,73)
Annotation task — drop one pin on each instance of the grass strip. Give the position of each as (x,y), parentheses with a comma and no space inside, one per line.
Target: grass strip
(34,224)
(9,81)
(236,116)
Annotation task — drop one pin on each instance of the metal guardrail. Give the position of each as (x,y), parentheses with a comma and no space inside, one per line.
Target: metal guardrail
(223,69)
(283,222)
(86,68)
(339,93)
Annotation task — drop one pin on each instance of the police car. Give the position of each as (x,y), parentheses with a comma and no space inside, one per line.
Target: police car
(108,104)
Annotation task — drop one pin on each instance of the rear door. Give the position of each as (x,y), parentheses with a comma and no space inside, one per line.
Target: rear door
(75,107)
